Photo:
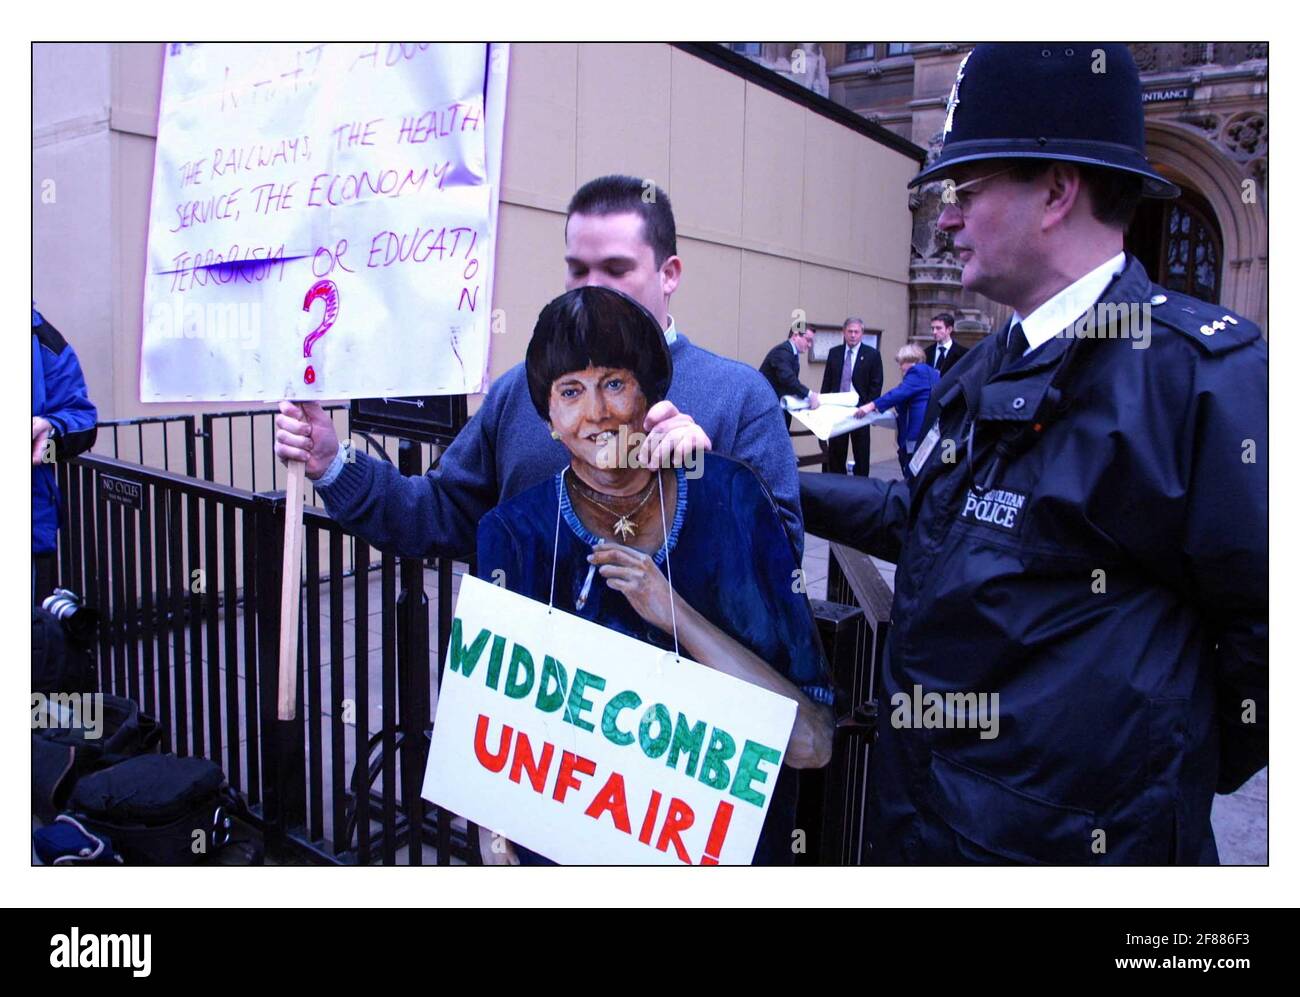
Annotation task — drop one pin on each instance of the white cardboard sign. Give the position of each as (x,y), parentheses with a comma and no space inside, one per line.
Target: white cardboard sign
(590,747)
(323,221)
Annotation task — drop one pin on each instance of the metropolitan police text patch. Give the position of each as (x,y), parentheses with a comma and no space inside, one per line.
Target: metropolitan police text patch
(998,507)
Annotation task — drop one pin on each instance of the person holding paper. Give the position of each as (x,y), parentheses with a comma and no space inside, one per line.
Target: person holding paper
(909,399)
(620,233)
(781,367)
(599,538)
(852,366)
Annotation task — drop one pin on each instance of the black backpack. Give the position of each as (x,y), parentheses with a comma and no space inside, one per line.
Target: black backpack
(62,755)
(158,809)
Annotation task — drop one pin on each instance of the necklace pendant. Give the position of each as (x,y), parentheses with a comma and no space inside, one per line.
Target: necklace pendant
(624,528)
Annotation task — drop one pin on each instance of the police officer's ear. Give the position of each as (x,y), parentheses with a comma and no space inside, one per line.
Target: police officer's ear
(1063,190)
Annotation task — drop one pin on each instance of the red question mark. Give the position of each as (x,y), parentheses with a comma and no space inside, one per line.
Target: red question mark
(328,290)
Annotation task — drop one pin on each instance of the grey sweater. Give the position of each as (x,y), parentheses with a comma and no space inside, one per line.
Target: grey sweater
(507,448)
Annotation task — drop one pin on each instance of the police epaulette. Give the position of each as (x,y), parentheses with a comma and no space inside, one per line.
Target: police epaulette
(1214,328)
(50,338)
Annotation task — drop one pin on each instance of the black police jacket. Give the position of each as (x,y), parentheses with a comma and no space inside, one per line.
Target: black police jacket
(1086,540)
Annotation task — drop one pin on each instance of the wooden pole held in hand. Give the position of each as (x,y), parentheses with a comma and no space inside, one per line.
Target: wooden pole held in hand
(290,591)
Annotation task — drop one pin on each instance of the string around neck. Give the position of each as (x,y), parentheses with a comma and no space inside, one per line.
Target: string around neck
(555,550)
(672,605)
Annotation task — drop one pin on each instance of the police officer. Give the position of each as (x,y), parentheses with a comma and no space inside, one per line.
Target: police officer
(1082,552)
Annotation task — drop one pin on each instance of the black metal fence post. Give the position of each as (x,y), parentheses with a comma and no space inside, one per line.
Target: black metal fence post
(413,672)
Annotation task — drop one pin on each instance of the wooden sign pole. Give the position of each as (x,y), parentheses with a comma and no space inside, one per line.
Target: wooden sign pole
(290,591)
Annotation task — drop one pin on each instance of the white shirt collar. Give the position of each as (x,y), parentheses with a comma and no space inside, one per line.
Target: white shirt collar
(1060,310)
(670,334)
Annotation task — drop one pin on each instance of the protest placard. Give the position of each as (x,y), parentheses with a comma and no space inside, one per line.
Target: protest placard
(590,747)
(323,221)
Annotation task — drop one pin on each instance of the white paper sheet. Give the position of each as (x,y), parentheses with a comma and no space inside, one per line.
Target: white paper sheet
(365,165)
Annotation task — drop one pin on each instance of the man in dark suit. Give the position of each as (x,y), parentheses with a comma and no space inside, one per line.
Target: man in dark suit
(781,367)
(944,352)
(864,374)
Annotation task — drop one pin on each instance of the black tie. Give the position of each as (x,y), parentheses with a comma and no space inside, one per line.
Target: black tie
(940,353)
(1017,344)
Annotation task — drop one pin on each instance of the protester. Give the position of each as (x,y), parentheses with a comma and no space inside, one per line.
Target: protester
(614,237)
(1083,551)
(594,538)
(63,425)
(910,398)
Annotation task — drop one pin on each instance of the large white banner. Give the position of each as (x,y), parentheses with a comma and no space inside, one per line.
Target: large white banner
(323,221)
(590,747)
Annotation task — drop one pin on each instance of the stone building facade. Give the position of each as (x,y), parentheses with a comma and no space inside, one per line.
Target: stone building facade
(1207,130)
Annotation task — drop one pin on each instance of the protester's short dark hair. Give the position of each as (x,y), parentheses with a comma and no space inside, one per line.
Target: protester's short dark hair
(1114,194)
(946,318)
(617,194)
(596,327)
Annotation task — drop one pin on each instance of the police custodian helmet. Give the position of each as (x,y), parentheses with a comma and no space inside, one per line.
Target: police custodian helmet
(1079,102)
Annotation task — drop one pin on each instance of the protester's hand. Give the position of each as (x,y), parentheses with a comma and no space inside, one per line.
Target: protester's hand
(40,432)
(496,849)
(634,573)
(304,432)
(670,437)
(814,399)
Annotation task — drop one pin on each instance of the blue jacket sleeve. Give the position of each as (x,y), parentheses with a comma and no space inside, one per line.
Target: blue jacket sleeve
(67,402)
(435,514)
(907,389)
(763,442)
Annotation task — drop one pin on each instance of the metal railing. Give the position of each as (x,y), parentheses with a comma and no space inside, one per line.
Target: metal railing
(854,624)
(185,573)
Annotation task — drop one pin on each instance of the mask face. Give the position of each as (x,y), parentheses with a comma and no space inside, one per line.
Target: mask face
(598,414)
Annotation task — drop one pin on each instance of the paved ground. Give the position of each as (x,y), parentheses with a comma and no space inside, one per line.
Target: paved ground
(1240,820)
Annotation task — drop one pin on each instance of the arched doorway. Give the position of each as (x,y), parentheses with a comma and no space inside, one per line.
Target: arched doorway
(1180,244)
(1215,182)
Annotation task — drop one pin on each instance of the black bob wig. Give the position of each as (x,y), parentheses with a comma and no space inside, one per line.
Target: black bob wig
(596,327)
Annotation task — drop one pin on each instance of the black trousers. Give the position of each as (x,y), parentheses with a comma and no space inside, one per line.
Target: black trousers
(45,570)
(837,452)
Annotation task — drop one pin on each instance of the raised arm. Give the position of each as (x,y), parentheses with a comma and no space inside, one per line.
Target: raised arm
(436,513)
(867,514)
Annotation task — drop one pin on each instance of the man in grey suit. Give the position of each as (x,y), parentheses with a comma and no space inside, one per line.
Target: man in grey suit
(863,373)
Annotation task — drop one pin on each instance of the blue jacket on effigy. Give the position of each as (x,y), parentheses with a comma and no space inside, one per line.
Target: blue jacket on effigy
(731,561)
